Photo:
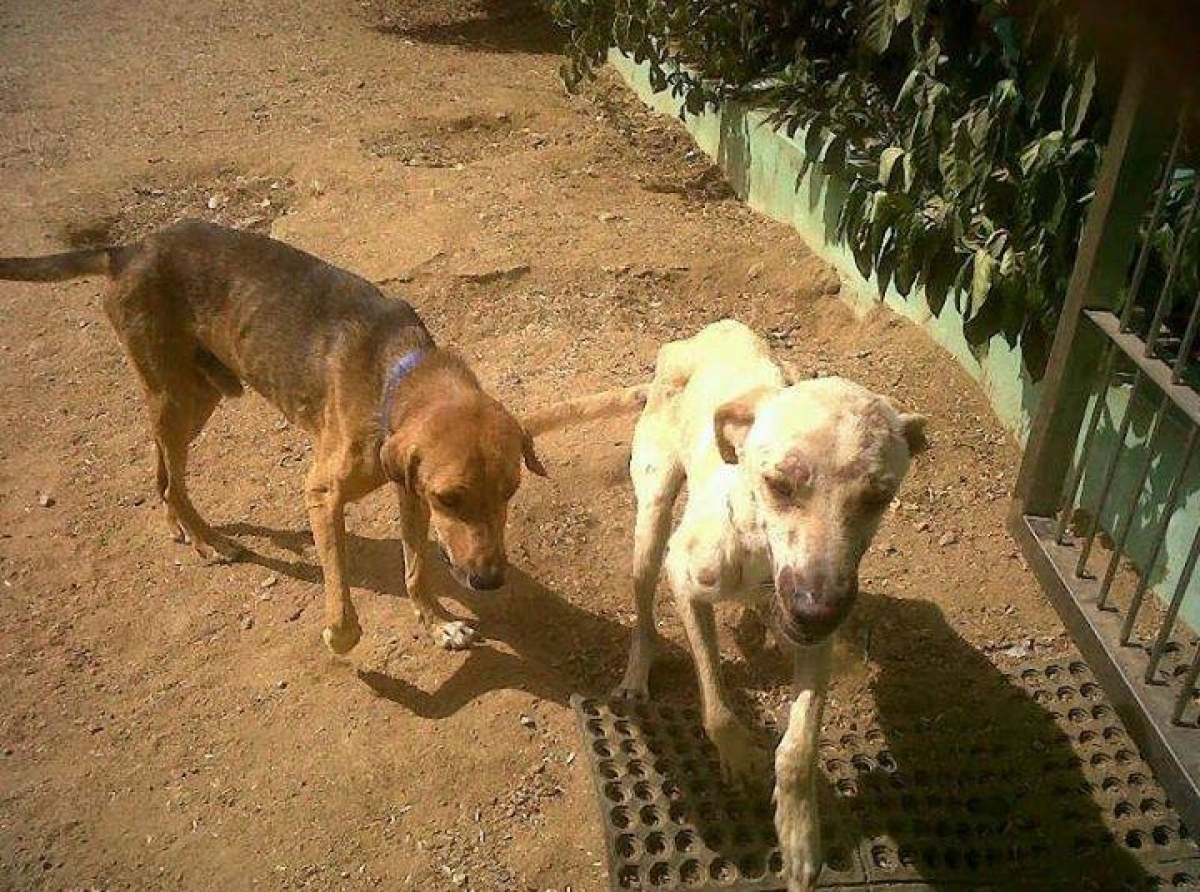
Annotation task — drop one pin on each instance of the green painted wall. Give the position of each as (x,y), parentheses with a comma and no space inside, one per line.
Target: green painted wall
(767,169)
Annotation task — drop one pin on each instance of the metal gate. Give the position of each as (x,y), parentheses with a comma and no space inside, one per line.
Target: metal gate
(1107,506)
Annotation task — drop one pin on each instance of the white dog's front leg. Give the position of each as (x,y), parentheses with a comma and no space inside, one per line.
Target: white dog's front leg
(741,759)
(797,822)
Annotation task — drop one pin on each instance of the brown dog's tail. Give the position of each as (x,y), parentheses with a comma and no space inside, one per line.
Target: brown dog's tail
(587,408)
(57,267)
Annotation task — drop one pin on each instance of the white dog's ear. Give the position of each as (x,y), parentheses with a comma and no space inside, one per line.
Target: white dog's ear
(733,421)
(913,427)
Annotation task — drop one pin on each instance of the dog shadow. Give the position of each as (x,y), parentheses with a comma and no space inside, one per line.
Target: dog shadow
(534,640)
(968,774)
(963,775)
(497,26)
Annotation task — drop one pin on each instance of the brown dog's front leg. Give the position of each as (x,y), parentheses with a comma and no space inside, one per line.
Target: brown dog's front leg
(797,822)
(326,515)
(446,631)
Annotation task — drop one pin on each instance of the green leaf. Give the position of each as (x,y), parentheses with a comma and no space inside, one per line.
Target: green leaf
(878,25)
(887,161)
(909,87)
(981,281)
(833,155)
(1078,100)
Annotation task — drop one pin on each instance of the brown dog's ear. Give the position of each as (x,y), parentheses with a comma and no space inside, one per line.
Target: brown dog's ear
(532,462)
(400,462)
(733,421)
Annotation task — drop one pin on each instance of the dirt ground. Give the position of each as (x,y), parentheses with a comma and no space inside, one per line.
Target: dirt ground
(172,724)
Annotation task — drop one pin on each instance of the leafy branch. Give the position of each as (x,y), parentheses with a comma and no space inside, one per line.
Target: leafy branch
(967,130)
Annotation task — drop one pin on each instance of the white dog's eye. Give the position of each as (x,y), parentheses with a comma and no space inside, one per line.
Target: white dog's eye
(780,487)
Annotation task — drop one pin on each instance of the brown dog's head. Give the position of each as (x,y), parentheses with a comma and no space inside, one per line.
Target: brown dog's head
(461,453)
(823,458)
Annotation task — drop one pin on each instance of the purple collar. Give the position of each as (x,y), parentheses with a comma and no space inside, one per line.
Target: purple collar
(397,373)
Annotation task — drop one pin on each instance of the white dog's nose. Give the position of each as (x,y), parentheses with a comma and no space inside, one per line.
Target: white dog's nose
(812,605)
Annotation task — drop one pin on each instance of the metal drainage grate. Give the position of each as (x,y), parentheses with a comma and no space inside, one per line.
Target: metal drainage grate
(1041,789)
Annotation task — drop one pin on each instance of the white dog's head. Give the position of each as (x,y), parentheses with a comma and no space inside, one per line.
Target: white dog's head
(823,458)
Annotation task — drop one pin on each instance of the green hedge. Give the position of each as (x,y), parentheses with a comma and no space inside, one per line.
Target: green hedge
(970,130)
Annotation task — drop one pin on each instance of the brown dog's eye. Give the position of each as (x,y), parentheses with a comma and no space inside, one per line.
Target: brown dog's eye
(450,500)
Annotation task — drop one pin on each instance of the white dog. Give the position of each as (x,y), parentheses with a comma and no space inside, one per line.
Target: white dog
(787,483)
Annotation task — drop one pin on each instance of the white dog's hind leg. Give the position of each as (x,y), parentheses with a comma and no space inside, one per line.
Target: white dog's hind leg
(797,822)
(656,482)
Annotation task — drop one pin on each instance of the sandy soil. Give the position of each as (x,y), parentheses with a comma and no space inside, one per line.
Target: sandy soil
(172,724)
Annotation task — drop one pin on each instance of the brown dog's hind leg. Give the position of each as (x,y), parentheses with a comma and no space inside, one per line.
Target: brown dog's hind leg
(327,516)
(179,397)
(179,416)
(162,480)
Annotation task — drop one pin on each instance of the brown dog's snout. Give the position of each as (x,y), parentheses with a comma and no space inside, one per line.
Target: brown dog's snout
(476,558)
(488,577)
(483,575)
(812,605)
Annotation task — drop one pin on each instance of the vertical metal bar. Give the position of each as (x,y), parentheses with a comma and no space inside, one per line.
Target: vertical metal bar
(1189,339)
(1168,623)
(1072,490)
(1140,134)
(1110,474)
(1164,298)
(1189,685)
(1127,521)
(1135,603)
(1160,201)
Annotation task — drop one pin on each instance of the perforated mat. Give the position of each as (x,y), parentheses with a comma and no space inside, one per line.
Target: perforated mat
(1051,795)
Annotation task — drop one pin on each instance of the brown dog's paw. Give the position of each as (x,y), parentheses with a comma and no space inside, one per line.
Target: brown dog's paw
(455,635)
(341,639)
(175,529)
(228,552)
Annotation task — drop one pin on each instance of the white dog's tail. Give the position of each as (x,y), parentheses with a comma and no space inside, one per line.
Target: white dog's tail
(611,403)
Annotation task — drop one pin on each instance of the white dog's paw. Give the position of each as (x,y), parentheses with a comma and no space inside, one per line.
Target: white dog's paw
(635,685)
(632,692)
(455,635)
(743,761)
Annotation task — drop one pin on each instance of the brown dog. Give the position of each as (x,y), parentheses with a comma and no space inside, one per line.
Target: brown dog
(203,310)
